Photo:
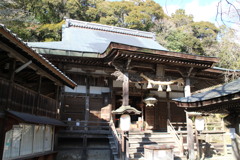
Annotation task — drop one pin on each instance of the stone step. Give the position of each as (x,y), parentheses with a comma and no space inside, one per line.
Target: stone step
(71,132)
(148,134)
(141,144)
(140,155)
(168,139)
(136,155)
(141,150)
(151,136)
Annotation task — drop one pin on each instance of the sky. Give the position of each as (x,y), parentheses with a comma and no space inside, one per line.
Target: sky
(205,10)
(202,10)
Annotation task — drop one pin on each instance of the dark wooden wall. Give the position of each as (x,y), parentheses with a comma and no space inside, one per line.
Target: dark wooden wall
(75,104)
(22,99)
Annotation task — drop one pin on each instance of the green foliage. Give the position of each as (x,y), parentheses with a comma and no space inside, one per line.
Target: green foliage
(181,34)
(180,18)
(133,14)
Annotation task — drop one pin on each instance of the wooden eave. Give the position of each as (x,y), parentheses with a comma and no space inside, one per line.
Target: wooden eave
(157,56)
(224,107)
(120,52)
(220,103)
(76,60)
(9,39)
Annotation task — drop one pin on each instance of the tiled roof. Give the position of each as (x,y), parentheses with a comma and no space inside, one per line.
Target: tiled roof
(95,38)
(8,34)
(224,90)
(29,118)
(107,28)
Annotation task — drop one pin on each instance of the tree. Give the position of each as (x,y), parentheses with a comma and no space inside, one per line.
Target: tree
(133,14)
(180,18)
(41,20)
(181,34)
(228,50)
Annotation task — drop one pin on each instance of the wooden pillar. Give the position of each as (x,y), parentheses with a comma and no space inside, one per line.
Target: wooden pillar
(125,90)
(168,106)
(61,93)
(87,110)
(57,102)
(11,82)
(190,137)
(36,110)
(87,100)
(3,117)
(3,121)
(187,88)
(62,102)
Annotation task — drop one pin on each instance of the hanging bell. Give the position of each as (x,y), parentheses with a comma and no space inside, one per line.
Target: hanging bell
(168,88)
(149,85)
(160,88)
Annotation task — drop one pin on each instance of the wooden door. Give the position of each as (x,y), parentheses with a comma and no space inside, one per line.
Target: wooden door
(161,115)
(156,117)
(96,103)
(74,108)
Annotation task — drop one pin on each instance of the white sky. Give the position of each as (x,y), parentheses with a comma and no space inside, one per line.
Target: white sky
(202,10)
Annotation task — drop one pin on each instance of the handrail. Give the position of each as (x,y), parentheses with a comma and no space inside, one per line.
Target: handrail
(236,146)
(237,138)
(115,134)
(178,139)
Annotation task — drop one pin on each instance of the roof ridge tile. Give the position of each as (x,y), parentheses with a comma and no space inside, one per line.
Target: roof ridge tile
(102,27)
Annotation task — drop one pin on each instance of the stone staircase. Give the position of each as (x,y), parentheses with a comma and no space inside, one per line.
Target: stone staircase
(137,140)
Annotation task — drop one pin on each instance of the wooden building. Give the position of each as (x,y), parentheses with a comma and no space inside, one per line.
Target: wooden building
(225,100)
(117,67)
(29,100)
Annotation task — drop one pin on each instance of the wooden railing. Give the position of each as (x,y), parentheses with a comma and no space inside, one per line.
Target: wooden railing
(88,125)
(178,138)
(117,140)
(179,126)
(22,99)
(214,134)
(236,146)
(208,127)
